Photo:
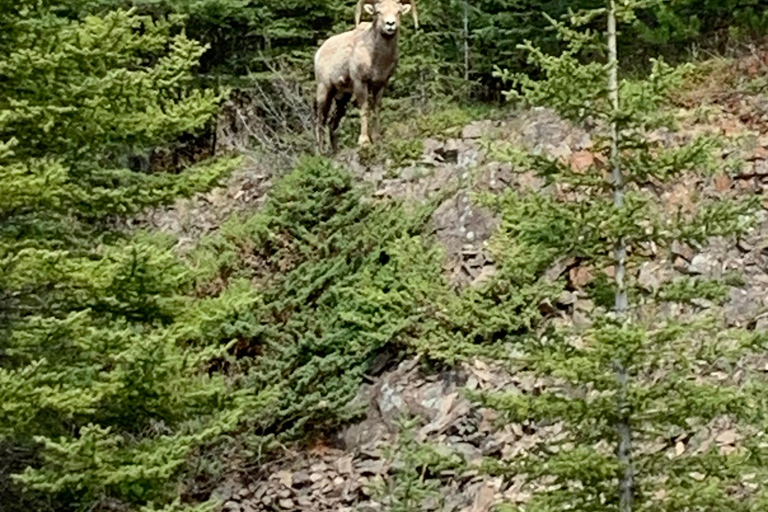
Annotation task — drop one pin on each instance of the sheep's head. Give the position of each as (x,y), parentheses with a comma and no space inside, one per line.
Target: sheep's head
(386,13)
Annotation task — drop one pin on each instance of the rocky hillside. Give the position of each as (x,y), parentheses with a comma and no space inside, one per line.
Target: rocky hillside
(454,167)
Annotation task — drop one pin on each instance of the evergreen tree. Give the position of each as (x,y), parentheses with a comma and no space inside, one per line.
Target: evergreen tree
(250,38)
(101,403)
(639,394)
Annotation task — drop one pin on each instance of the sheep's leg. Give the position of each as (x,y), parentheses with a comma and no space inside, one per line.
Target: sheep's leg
(377,97)
(338,114)
(362,97)
(323,102)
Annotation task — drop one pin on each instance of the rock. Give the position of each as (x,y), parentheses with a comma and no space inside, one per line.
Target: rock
(529,181)
(647,279)
(484,498)
(458,221)
(582,160)
(453,502)
(305,502)
(258,491)
(222,494)
(581,320)
(371,467)
(231,506)
(723,182)
(726,438)
(567,298)
(448,152)
(344,466)
(286,504)
(705,265)
(682,250)
(429,503)
(390,400)
(285,478)
(580,277)
(680,265)
(471,454)
(369,506)
(560,267)
(244,493)
(411,173)
(477,130)
(743,307)
(487,274)
(432,145)
(249,506)
(702,303)
(585,305)
(745,246)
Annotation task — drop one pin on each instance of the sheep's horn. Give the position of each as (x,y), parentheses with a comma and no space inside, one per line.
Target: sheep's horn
(361,3)
(359,10)
(414,12)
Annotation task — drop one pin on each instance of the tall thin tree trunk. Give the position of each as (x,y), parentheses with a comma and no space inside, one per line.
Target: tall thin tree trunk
(466,40)
(621,306)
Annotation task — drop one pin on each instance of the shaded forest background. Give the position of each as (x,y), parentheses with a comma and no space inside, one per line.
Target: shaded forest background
(250,38)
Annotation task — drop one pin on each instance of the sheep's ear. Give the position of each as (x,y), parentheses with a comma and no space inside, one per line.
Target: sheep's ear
(406,8)
(370,9)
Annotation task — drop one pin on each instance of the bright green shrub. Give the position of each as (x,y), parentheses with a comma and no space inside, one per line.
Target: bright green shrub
(101,400)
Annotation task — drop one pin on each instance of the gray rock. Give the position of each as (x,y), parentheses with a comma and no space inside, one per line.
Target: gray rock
(455,219)
(567,298)
(231,506)
(585,305)
(477,130)
(305,502)
(369,506)
(487,273)
(249,506)
(370,467)
(647,279)
(222,494)
(430,503)
(705,265)
(448,152)
(470,453)
(390,400)
(411,173)
(258,490)
(301,479)
(743,307)
(682,250)
(581,320)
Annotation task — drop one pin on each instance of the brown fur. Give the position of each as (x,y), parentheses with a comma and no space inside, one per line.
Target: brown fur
(358,64)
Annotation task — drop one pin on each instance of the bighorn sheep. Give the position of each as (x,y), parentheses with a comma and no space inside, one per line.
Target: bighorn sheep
(360,63)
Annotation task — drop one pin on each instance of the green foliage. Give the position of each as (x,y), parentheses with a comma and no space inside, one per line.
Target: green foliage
(342,279)
(102,402)
(687,21)
(125,370)
(412,484)
(637,377)
(253,37)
